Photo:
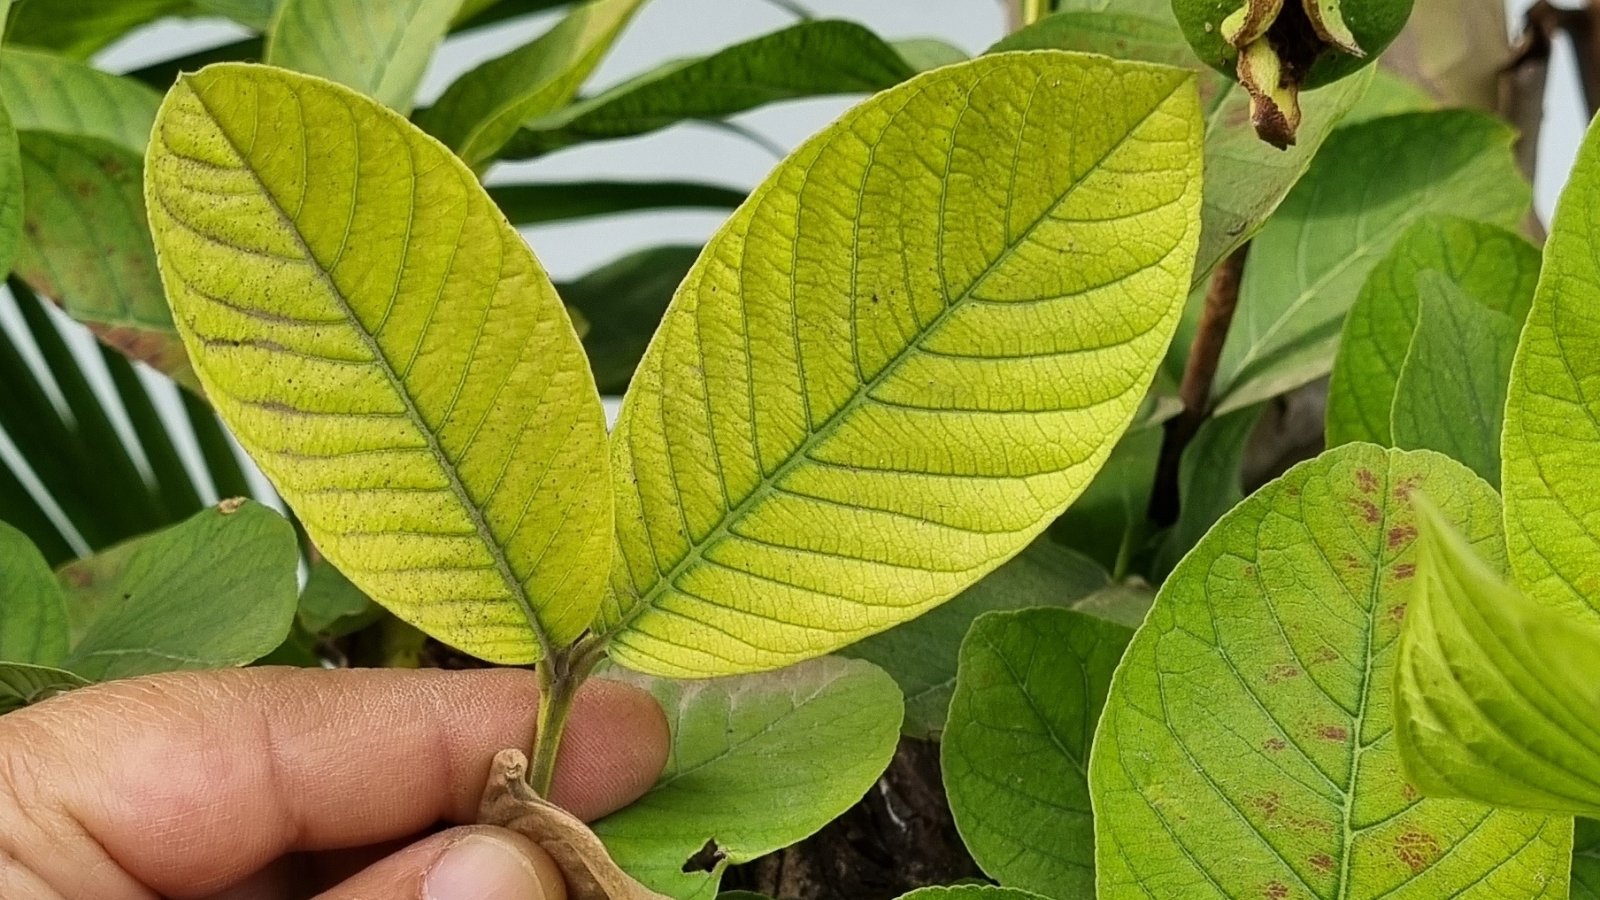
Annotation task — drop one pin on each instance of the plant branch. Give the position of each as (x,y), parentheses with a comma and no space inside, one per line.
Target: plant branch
(1199,373)
(1523,81)
(560,675)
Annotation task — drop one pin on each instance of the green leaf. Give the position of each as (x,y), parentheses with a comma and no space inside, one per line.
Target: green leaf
(807,59)
(33,618)
(378,48)
(1586,860)
(483,109)
(1248,179)
(921,655)
(22,684)
(1110,520)
(1553,412)
(256,14)
(531,204)
(217,589)
(330,606)
(623,302)
(1247,747)
(77,28)
(970,892)
(87,245)
(1369,183)
(10,190)
(897,414)
(469,493)
(1451,395)
(1015,756)
(1389,95)
(758,763)
(1112,33)
(48,93)
(1494,693)
(1210,482)
(1495,266)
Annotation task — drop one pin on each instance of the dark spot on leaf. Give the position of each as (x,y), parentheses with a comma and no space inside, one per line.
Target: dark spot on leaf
(1397,613)
(1322,862)
(1366,481)
(706,859)
(1402,491)
(1267,804)
(1370,511)
(1325,654)
(1274,744)
(1408,792)
(1416,849)
(1280,672)
(1401,534)
(1404,571)
(1276,890)
(1333,732)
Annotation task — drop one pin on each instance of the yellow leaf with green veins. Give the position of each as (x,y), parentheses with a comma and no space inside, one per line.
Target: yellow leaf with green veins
(901,358)
(1552,425)
(387,348)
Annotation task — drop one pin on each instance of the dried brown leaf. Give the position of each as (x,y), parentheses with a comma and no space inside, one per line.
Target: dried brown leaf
(509,802)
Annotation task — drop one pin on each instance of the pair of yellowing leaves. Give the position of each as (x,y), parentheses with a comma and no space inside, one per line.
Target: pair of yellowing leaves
(901,358)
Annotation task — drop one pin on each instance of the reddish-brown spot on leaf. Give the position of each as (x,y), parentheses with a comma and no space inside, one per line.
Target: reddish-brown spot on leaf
(1416,849)
(1274,744)
(1267,804)
(1402,490)
(1366,481)
(1276,890)
(1322,862)
(1400,535)
(1409,793)
(1404,571)
(1397,613)
(1248,571)
(1370,511)
(1280,672)
(1333,732)
(1324,654)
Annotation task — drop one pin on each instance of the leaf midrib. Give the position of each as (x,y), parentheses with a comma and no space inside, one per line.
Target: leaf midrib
(822,432)
(446,465)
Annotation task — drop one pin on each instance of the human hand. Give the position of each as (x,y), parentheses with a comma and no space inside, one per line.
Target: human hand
(260,784)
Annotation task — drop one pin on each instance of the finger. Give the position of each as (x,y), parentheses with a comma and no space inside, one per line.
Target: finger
(477,863)
(190,782)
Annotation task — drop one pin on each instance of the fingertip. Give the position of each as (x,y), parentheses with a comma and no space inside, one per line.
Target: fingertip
(615,749)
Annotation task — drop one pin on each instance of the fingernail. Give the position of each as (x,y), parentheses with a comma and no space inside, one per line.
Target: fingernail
(482,867)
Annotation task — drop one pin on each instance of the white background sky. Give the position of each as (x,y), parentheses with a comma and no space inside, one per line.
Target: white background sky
(668,29)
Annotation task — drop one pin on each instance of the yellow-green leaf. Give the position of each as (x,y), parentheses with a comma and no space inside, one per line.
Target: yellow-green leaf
(901,358)
(387,348)
(1551,483)
(1247,747)
(482,109)
(1495,693)
(378,47)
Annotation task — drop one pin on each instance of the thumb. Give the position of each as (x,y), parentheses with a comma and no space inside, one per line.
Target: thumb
(477,862)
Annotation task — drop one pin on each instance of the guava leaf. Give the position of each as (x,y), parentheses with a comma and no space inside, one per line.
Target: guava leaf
(833,434)
(1210,482)
(1247,746)
(1111,32)
(1586,860)
(217,589)
(1551,483)
(379,49)
(1494,693)
(623,302)
(758,762)
(330,605)
(23,684)
(1110,520)
(44,92)
(1451,395)
(483,109)
(10,190)
(921,655)
(87,245)
(531,204)
(1015,755)
(256,14)
(1367,185)
(970,892)
(77,28)
(33,617)
(1494,266)
(387,348)
(807,59)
